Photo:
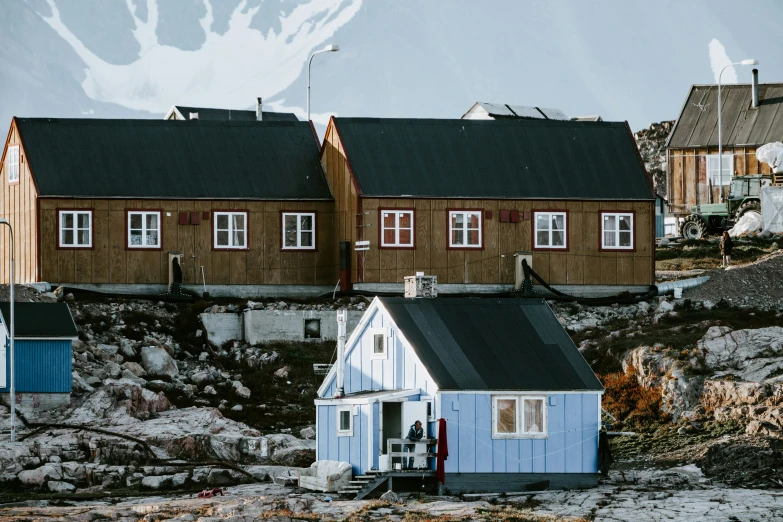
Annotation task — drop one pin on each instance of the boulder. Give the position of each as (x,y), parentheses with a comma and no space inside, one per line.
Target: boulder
(157,482)
(665,306)
(308,433)
(108,349)
(127,349)
(283,372)
(56,486)
(37,477)
(134,368)
(179,479)
(390,496)
(243,391)
(724,348)
(202,378)
(220,477)
(157,362)
(79,384)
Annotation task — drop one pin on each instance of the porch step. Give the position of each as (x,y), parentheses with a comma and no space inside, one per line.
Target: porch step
(364,477)
(373,472)
(360,482)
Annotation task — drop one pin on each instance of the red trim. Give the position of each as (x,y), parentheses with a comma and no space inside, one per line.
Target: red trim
(601,213)
(380,228)
(533,230)
(448,229)
(92,228)
(160,230)
(315,231)
(18,163)
(247,230)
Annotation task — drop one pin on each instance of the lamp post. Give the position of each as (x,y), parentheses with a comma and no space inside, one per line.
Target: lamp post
(720,127)
(328,49)
(12,391)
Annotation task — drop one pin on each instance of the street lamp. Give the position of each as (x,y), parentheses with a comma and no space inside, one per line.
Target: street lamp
(12,394)
(328,49)
(720,129)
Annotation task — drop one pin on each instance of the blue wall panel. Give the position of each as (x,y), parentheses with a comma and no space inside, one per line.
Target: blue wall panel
(41,366)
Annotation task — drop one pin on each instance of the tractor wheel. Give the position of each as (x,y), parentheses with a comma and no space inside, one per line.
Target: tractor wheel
(755,206)
(693,227)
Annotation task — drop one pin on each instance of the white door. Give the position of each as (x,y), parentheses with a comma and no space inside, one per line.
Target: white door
(412,412)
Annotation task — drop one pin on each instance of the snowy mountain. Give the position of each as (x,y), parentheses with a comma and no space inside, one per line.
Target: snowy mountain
(135,58)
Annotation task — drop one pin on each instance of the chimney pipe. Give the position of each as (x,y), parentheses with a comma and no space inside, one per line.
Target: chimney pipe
(259,114)
(755,88)
(342,316)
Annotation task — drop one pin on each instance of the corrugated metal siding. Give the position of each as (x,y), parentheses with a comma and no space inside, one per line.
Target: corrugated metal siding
(41,367)
(571,447)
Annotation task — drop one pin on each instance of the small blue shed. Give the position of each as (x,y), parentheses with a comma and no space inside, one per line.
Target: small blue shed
(520,403)
(44,333)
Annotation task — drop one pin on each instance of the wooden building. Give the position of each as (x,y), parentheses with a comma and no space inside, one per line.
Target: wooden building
(694,175)
(95,202)
(458,198)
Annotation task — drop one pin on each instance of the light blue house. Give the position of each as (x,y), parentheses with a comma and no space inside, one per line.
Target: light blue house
(520,403)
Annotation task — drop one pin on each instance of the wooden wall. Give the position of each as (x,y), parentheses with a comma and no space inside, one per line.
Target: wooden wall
(18,206)
(687,179)
(111,262)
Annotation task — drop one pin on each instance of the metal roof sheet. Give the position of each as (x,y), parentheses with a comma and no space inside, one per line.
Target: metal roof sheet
(492,344)
(46,320)
(205,113)
(499,159)
(697,125)
(173,159)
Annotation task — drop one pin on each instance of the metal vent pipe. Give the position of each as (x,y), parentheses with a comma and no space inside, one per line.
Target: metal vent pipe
(755,88)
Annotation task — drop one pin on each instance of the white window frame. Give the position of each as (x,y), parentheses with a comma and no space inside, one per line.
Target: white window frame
(617,216)
(431,401)
(347,432)
(144,229)
(384,332)
(397,214)
(75,228)
(466,214)
(230,231)
(13,163)
(536,214)
(522,431)
(299,231)
(713,169)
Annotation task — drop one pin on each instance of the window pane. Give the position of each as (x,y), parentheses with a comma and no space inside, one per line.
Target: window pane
(222,221)
(388,236)
(506,416)
(625,222)
(135,237)
(378,344)
(542,221)
(542,238)
(67,238)
(152,221)
(473,237)
(152,238)
(345,420)
(625,239)
(609,223)
(558,222)
(307,223)
(307,239)
(473,220)
(405,237)
(238,221)
(67,221)
(457,237)
(222,238)
(388,220)
(558,238)
(405,220)
(135,220)
(84,237)
(239,238)
(290,231)
(534,416)
(83,220)
(609,239)
(457,220)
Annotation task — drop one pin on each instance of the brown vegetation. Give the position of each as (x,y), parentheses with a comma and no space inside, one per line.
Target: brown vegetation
(634,406)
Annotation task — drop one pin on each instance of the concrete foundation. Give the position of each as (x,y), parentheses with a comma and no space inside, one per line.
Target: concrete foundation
(31,403)
(446,289)
(295,325)
(238,291)
(222,328)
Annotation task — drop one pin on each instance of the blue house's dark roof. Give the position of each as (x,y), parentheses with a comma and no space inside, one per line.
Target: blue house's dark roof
(45,320)
(492,344)
(505,159)
(164,159)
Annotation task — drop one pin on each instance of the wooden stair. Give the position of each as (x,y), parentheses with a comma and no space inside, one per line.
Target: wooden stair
(362,485)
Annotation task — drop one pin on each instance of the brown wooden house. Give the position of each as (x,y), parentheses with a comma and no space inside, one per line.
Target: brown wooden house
(96,202)
(748,121)
(458,198)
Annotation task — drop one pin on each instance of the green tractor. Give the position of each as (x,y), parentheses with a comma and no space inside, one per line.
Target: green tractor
(744,196)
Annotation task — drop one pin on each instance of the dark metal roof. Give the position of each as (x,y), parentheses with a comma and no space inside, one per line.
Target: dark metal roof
(40,319)
(697,125)
(172,159)
(492,344)
(510,158)
(208,114)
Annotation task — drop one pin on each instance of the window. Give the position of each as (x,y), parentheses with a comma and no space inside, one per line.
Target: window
(143,229)
(298,231)
(75,228)
(515,417)
(13,163)
(550,229)
(378,336)
(312,328)
(397,228)
(430,409)
(617,231)
(714,169)
(230,230)
(345,421)
(465,229)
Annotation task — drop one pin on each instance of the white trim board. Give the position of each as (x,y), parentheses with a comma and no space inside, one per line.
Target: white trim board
(369,399)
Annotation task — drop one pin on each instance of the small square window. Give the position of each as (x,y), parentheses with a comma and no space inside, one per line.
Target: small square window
(518,417)
(230,230)
(345,421)
(143,229)
(298,230)
(378,336)
(397,228)
(465,229)
(75,228)
(312,328)
(550,230)
(617,231)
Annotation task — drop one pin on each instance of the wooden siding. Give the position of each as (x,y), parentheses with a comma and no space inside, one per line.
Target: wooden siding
(18,206)
(687,175)
(109,261)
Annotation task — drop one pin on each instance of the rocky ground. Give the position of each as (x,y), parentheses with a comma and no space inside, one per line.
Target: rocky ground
(652,147)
